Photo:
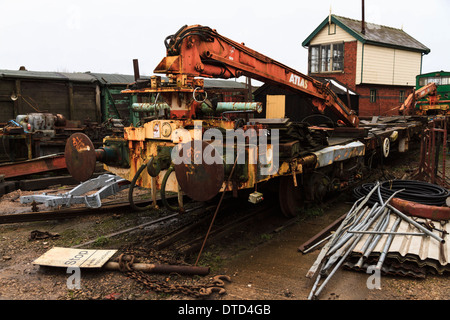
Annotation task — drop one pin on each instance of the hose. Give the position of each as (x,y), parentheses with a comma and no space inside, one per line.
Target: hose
(414,191)
(130,190)
(163,191)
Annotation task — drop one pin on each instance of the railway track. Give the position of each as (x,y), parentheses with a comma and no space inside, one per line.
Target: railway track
(68,213)
(186,241)
(186,237)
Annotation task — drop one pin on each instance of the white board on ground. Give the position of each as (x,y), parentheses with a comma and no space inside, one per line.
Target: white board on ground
(70,257)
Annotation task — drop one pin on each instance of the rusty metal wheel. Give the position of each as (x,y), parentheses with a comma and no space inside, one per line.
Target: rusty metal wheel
(199,180)
(291,198)
(80,156)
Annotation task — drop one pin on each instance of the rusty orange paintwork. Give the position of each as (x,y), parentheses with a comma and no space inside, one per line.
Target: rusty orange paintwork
(200,51)
(421,210)
(408,106)
(33,166)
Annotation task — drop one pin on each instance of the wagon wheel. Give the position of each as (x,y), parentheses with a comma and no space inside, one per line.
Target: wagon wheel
(386,147)
(291,197)
(80,156)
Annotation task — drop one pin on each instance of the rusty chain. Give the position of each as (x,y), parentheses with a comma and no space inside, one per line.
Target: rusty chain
(160,286)
(154,284)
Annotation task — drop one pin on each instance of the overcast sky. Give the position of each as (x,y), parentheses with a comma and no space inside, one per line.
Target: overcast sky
(105,36)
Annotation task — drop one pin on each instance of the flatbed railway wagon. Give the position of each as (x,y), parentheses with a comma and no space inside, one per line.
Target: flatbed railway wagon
(201,149)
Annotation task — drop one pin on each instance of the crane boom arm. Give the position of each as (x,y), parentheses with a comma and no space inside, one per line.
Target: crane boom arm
(198,51)
(408,106)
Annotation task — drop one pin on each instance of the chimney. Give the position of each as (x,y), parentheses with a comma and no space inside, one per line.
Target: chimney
(137,75)
(363,21)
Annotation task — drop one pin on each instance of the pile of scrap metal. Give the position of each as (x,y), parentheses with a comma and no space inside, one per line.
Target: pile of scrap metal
(35,143)
(376,236)
(38,134)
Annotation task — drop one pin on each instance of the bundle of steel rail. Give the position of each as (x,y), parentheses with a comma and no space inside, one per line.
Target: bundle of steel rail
(367,225)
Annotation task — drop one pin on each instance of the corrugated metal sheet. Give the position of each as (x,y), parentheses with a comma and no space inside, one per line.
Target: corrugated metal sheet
(409,253)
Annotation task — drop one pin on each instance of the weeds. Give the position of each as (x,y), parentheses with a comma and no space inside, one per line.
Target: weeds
(266,237)
(101,241)
(314,211)
(212,260)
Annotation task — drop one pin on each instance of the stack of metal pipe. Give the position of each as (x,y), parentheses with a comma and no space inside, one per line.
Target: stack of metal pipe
(365,225)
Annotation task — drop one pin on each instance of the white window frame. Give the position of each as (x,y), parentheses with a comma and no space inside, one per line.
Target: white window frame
(317,64)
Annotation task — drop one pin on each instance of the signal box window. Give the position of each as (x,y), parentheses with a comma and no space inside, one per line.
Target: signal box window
(326,58)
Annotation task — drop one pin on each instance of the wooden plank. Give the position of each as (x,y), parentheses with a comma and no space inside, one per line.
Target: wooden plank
(85,99)
(71,104)
(17,103)
(46,97)
(390,66)
(323,37)
(407,66)
(7,111)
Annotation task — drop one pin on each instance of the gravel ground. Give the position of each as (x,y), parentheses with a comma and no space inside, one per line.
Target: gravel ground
(261,260)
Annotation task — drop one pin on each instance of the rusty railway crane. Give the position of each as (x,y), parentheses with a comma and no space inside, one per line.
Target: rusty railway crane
(428,91)
(186,124)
